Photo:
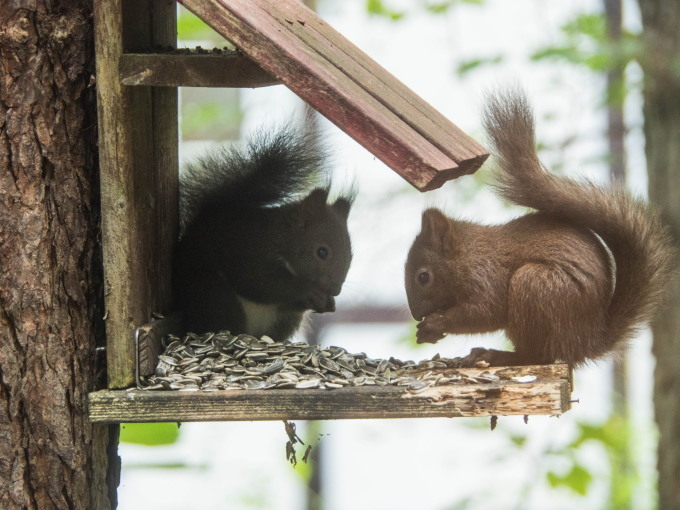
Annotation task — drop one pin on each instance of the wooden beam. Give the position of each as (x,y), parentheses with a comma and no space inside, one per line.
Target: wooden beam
(224,69)
(377,81)
(139,178)
(548,394)
(293,44)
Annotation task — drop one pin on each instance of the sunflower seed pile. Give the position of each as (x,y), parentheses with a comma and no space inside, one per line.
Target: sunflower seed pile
(221,361)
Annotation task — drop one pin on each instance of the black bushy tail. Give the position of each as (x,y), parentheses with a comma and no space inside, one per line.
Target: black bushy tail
(633,231)
(274,167)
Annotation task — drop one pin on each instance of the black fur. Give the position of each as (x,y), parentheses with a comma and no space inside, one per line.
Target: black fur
(258,249)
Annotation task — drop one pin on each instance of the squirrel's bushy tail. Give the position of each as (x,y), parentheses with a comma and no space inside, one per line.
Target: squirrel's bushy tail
(633,231)
(272,168)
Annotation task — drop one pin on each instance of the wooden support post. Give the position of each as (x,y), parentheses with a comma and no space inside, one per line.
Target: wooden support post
(139,178)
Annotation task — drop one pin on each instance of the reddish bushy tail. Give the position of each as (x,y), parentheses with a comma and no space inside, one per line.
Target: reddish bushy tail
(633,231)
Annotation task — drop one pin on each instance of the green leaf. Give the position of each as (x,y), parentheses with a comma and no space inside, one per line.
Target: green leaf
(518,440)
(587,432)
(467,66)
(379,8)
(150,434)
(556,53)
(577,480)
(592,25)
(444,6)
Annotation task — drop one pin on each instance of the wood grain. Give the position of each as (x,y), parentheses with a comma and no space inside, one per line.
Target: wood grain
(139,178)
(377,81)
(166,70)
(549,394)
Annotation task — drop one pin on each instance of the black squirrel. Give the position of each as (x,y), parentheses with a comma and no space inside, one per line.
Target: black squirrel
(257,249)
(545,278)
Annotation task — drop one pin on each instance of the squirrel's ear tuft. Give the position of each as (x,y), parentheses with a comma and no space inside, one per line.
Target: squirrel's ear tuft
(311,206)
(316,199)
(342,206)
(436,228)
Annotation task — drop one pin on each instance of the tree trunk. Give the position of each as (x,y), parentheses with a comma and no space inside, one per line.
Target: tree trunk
(616,135)
(50,263)
(661,38)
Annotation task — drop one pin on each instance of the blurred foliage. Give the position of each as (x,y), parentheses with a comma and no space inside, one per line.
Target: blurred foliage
(466,66)
(149,434)
(380,8)
(211,120)
(614,436)
(386,9)
(585,43)
(191,28)
(573,475)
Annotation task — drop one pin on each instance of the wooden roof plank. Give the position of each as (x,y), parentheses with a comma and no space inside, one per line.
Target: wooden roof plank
(376,80)
(316,80)
(332,93)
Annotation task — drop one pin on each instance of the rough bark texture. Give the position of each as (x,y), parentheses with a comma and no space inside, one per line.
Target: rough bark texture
(661,19)
(50,276)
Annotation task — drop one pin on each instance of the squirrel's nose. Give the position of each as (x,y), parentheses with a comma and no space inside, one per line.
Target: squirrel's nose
(330,304)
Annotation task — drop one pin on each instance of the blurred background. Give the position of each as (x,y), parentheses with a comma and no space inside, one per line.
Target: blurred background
(576,61)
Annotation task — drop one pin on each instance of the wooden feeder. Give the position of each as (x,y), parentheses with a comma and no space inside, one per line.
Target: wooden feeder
(279,41)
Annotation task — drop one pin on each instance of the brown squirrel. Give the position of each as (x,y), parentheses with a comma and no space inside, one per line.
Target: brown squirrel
(547,278)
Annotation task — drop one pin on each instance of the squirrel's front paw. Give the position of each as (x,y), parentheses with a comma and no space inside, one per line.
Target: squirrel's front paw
(430,329)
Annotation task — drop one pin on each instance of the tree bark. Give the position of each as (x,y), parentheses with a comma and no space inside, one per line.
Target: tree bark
(661,39)
(50,262)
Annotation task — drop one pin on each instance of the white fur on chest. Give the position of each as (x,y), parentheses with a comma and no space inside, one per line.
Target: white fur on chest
(259,318)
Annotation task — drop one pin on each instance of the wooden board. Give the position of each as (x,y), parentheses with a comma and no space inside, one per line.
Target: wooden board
(226,69)
(292,43)
(548,394)
(139,178)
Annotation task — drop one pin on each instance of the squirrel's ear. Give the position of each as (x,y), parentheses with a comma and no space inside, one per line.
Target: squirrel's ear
(315,201)
(436,228)
(342,206)
(312,205)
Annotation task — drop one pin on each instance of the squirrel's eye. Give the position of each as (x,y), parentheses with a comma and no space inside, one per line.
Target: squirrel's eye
(423,277)
(322,252)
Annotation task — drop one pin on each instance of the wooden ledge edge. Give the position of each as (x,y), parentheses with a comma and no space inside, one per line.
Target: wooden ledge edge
(548,394)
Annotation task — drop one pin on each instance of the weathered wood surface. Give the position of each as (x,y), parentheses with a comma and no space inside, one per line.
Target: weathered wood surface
(549,394)
(333,76)
(227,69)
(149,339)
(139,178)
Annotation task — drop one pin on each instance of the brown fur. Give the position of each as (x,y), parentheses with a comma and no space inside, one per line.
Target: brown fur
(546,277)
